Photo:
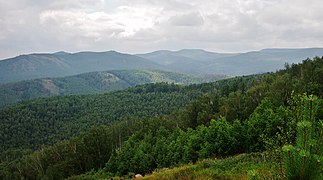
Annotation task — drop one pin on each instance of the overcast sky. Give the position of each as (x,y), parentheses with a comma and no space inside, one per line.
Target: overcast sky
(136,26)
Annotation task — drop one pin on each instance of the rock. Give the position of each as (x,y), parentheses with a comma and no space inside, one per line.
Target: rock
(138,176)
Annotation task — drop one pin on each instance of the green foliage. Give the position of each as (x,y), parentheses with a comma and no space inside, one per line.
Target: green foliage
(244,166)
(250,113)
(303,161)
(269,127)
(89,150)
(143,153)
(88,83)
(220,139)
(307,76)
(46,121)
(91,175)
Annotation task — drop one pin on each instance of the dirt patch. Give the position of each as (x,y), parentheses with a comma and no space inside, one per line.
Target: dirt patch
(50,86)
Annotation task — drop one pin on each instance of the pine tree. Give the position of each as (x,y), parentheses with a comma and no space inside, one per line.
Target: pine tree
(303,160)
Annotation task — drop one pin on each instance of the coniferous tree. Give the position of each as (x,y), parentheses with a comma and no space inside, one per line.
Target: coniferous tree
(303,160)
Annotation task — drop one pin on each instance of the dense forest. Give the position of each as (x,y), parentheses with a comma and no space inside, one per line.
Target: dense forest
(44,121)
(92,83)
(157,126)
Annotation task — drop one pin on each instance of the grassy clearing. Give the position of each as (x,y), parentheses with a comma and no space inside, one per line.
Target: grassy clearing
(243,166)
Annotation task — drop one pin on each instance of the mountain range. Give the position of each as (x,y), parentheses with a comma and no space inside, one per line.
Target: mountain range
(192,61)
(62,64)
(151,127)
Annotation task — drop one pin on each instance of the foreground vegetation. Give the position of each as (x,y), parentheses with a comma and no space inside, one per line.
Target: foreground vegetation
(244,166)
(242,115)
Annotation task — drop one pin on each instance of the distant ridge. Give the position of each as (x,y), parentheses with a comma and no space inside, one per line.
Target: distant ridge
(234,64)
(192,61)
(61,53)
(61,64)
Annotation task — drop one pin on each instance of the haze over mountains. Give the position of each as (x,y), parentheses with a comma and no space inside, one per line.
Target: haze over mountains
(232,64)
(64,64)
(192,61)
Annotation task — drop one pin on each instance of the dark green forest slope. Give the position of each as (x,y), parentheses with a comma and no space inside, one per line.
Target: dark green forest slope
(92,83)
(47,120)
(232,116)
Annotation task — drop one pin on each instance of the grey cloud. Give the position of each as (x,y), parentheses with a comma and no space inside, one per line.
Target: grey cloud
(143,25)
(168,5)
(190,19)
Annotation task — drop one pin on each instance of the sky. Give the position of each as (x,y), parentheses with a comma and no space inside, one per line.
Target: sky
(139,26)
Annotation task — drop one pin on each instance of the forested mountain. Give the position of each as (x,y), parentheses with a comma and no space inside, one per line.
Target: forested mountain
(33,123)
(32,66)
(266,60)
(232,116)
(91,83)
(233,64)
(62,64)
(186,60)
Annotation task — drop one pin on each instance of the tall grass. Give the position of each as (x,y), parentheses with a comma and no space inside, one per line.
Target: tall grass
(244,166)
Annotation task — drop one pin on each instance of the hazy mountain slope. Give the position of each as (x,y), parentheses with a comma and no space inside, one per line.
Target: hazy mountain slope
(166,57)
(203,62)
(111,60)
(33,66)
(63,64)
(173,61)
(90,83)
(186,60)
(193,61)
(266,60)
(202,55)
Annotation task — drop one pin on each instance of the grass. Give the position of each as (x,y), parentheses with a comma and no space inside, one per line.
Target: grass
(243,166)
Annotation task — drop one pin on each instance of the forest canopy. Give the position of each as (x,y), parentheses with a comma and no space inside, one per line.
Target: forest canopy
(158,125)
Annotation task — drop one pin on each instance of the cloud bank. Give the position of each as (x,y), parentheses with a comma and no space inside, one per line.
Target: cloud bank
(145,25)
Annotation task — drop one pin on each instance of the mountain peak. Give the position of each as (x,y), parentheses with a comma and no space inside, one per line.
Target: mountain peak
(192,50)
(61,53)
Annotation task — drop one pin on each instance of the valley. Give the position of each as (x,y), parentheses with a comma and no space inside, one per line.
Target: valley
(149,127)
(165,90)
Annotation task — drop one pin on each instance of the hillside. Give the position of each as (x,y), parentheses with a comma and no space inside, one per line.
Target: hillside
(158,126)
(186,60)
(62,64)
(266,60)
(233,64)
(192,61)
(91,83)
(31,124)
(242,167)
